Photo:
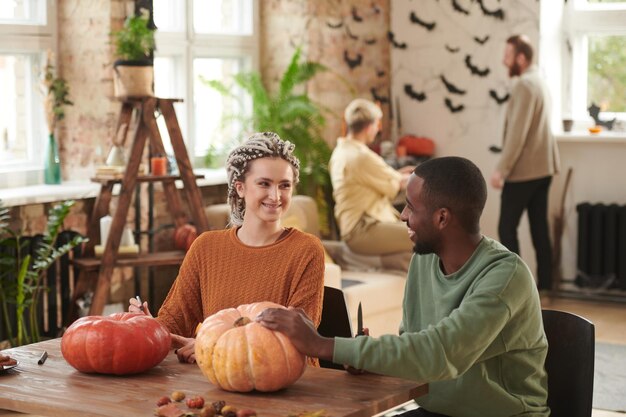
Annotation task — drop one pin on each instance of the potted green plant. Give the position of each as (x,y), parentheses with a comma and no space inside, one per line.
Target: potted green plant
(290,113)
(21,274)
(133,72)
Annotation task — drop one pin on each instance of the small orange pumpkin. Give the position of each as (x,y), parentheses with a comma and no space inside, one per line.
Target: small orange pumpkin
(184,236)
(238,354)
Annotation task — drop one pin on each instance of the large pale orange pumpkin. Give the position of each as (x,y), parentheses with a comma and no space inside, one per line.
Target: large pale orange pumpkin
(238,354)
(119,344)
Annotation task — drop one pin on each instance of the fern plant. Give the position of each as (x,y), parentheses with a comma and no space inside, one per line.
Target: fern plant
(135,41)
(21,275)
(289,112)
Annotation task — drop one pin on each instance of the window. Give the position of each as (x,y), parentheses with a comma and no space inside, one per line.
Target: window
(596,33)
(606,81)
(27,31)
(202,40)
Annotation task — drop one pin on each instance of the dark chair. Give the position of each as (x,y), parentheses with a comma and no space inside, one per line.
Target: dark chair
(335,319)
(569,364)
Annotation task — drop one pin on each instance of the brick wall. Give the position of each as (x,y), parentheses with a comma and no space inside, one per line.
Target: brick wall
(85,61)
(332,33)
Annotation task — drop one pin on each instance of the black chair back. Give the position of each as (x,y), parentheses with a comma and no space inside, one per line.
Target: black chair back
(335,319)
(570,363)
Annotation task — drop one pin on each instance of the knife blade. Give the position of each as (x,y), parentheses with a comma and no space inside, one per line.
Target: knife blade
(359,321)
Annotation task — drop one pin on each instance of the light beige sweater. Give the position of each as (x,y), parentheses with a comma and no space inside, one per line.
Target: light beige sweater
(529,150)
(363,183)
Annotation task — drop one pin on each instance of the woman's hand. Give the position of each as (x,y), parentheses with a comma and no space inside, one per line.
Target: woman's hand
(135,306)
(186,348)
(408,169)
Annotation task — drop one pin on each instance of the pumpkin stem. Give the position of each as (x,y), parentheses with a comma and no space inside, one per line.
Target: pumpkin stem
(242,321)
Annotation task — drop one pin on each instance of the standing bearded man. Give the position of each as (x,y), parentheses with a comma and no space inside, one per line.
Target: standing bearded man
(529,158)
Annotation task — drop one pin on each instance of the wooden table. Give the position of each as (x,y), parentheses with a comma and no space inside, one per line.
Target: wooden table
(57,389)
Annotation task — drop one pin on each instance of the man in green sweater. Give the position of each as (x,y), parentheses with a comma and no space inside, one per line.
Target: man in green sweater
(471,324)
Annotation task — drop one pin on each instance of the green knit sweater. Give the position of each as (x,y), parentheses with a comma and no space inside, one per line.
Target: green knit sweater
(476,336)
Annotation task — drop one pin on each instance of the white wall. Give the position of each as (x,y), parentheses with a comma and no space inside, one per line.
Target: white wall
(470,132)
(597,177)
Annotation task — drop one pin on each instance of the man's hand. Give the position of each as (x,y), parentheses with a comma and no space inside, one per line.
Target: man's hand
(497,181)
(295,324)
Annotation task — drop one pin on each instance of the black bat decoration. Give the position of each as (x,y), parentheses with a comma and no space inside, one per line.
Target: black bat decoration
(356,16)
(371,41)
(376,97)
(483,40)
(498,13)
(335,25)
(498,99)
(352,62)
(457,8)
(495,149)
(392,39)
(452,50)
(452,108)
(474,69)
(380,73)
(415,95)
(429,26)
(594,112)
(452,89)
(350,34)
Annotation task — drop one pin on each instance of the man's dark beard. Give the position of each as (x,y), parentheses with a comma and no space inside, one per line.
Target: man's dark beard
(515,70)
(424,248)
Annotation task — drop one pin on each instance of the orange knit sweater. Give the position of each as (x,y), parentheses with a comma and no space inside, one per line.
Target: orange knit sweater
(219,272)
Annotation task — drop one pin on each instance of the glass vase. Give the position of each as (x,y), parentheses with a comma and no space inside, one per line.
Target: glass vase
(52,163)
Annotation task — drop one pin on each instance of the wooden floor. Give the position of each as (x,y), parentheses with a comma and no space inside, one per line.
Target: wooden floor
(609,319)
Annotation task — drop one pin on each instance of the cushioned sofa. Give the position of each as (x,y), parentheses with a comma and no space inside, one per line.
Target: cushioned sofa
(361,278)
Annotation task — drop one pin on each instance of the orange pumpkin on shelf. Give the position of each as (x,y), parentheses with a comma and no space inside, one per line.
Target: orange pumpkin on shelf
(238,354)
(184,236)
(119,344)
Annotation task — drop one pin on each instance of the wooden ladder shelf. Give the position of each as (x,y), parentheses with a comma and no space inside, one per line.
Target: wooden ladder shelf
(146,128)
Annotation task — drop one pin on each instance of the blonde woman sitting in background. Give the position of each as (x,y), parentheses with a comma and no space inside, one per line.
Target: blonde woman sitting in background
(364,187)
(257,259)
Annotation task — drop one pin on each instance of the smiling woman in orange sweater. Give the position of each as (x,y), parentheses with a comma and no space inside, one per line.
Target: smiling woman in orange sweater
(257,259)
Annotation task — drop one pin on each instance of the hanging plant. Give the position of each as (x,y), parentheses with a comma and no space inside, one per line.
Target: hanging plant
(56,91)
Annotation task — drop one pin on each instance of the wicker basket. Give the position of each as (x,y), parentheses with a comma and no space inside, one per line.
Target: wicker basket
(133,80)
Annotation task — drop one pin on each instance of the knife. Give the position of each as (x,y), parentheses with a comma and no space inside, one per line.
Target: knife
(140,304)
(359,321)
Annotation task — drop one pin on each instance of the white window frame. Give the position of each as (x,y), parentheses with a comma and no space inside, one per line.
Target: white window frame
(33,37)
(582,19)
(188,45)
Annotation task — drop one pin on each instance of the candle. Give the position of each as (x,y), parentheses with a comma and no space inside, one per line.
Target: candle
(401,151)
(158,165)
